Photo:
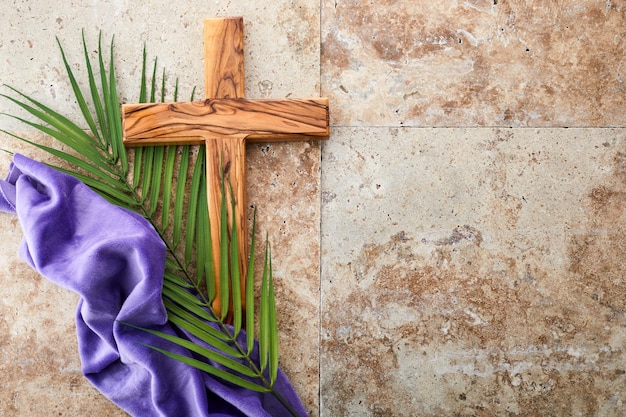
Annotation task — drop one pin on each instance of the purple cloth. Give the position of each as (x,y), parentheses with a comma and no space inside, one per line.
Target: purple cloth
(114,260)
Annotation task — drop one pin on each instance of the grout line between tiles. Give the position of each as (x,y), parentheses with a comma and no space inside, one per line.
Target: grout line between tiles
(319,288)
(472,127)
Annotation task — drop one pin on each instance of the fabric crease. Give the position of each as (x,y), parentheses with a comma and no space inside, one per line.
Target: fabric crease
(114,259)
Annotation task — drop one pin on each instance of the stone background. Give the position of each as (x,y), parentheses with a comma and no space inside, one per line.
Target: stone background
(455,249)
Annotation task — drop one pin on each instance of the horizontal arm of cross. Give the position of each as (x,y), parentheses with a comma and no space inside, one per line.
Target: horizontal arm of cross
(255,120)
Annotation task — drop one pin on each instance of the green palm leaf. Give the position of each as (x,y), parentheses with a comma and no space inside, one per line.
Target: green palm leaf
(157,187)
(80,99)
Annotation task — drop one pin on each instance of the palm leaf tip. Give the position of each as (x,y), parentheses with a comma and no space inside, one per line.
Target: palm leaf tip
(168,182)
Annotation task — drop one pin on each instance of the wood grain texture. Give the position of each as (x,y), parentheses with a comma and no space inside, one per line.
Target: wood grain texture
(223,53)
(224,78)
(167,123)
(224,122)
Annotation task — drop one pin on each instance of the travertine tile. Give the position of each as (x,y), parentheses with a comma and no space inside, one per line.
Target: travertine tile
(282,39)
(39,362)
(283,184)
(475,62)
(465,271)
(473,272)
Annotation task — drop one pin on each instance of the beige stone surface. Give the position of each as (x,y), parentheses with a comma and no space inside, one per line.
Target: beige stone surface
(473,272)
(283,184)
(475,62)
(466,268)
(39,362)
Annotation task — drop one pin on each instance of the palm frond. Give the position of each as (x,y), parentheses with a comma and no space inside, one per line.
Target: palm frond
(156,187)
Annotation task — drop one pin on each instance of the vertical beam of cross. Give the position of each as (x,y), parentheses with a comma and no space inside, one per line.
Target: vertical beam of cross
(224,122)
(224,78)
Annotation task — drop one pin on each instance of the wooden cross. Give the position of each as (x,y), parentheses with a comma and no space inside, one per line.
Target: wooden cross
(224,122)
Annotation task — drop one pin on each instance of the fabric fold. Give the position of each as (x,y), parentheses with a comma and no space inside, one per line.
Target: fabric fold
(114,259)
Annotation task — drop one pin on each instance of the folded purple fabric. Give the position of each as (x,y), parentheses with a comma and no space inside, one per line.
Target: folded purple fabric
(114,260)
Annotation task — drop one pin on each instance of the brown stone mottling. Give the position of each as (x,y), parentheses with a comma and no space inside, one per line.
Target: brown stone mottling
(516,309)
(39,363)
(282,60)
(598,257)
(465,271)
(475,63)
(283,184)
(38,316)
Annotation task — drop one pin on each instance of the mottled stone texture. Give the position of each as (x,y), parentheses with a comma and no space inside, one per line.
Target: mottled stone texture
(284,188)
(474,272)
(477,270)
(475,62)
(39,365)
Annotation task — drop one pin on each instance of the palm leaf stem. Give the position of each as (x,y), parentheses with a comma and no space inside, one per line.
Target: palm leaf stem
(104,167)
